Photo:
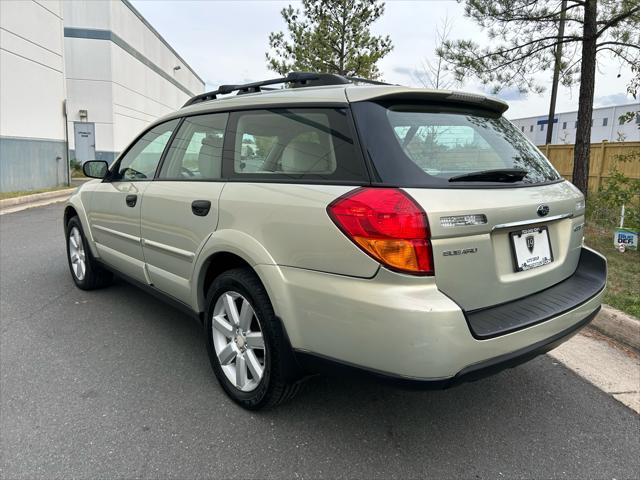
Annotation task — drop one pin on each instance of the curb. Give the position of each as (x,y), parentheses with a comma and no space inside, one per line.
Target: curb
(618,325)
(36,197)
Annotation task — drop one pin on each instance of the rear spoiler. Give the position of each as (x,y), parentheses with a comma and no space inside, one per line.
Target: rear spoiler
(361,94)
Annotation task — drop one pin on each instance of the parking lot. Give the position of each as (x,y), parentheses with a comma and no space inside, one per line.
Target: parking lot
(115,383)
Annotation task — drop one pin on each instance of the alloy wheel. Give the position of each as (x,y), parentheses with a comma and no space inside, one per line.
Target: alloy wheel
(76,254)
(238,341)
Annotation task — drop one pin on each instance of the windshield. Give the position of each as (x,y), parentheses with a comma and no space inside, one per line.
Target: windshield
(431,147)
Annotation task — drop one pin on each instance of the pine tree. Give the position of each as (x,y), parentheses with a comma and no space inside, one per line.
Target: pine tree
(330,36)
(525,38)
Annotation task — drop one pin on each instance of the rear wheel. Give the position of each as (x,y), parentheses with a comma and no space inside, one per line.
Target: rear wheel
(246,342)
(85,271)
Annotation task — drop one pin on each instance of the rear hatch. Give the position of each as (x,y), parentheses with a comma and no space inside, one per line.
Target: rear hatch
(503,223)
(477,265)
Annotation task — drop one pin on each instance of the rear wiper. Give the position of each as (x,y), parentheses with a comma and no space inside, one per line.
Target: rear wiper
(505,175)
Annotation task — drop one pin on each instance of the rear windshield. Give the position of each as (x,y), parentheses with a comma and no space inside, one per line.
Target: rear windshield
(423,145)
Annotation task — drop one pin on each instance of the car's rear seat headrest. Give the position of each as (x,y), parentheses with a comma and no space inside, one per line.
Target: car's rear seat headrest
(306,157)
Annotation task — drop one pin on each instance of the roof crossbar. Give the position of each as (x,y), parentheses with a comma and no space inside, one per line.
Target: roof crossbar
(297,79)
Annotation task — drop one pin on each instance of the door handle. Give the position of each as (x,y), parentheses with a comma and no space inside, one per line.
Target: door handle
(201,207)
(132,200)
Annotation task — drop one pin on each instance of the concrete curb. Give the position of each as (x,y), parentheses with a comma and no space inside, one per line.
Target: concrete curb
(36,197)
(618,325)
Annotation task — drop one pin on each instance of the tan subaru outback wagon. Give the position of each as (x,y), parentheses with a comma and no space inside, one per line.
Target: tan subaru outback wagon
(342,224)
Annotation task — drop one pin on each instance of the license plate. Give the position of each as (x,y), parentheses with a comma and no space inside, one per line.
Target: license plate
(531,248)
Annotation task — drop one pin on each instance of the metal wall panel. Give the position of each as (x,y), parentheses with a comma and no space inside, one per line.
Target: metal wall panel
(29,164)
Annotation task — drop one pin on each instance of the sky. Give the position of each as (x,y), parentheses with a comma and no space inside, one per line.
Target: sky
(225,43)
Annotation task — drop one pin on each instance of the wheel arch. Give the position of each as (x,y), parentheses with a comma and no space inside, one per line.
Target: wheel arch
(224,250)
(74,207)
(69,212)
(215,265)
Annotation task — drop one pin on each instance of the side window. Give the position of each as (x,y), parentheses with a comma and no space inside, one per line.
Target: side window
(196,151)
(142,159)
(294,144)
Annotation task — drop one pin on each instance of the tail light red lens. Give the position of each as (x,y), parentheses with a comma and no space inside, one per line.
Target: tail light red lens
(388,225)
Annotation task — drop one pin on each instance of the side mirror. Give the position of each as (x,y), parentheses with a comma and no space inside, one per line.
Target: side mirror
(95,168)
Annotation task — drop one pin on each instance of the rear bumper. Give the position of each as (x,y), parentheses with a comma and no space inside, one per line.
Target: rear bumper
(404,328)
(512,359)
(316,363)
(587,281)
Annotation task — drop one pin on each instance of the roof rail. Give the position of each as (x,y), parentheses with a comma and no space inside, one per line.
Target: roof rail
(296,79)
(367,80)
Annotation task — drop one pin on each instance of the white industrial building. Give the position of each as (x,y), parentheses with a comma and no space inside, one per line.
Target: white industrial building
(97,63)
(32,94)
(605,125)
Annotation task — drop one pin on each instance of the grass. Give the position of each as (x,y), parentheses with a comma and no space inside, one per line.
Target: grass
(77,173)
(20,193)
(623,282)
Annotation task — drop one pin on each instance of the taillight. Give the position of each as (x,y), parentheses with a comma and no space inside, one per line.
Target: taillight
(388,225)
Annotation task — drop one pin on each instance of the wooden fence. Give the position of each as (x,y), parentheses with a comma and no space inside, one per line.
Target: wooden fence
(603,156)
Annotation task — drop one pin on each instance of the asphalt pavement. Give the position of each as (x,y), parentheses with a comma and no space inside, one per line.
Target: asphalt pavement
(115,383)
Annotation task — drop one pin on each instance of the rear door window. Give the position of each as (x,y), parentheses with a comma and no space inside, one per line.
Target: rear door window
(314,144)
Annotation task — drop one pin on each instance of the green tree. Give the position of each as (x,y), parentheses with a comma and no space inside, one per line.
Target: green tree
(330,36)
(525,39)
(620,190)
(633,88)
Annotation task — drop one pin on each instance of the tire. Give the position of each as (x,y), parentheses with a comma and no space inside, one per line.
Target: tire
(233,347)
(85,270)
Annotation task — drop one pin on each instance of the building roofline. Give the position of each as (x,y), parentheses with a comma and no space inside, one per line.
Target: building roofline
(161,38)
(545,115)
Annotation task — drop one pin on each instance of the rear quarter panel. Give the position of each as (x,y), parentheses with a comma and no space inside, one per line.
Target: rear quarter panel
(291,222)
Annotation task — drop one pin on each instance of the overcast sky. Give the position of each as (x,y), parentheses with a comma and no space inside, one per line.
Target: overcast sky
(225,42)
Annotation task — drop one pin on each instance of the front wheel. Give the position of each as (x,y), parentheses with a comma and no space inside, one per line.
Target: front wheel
(246,343)
(85,271)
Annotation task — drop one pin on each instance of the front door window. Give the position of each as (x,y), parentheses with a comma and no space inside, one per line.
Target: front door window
(141,161)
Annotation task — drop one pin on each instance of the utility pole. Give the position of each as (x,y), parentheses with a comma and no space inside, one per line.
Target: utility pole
(556,72)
